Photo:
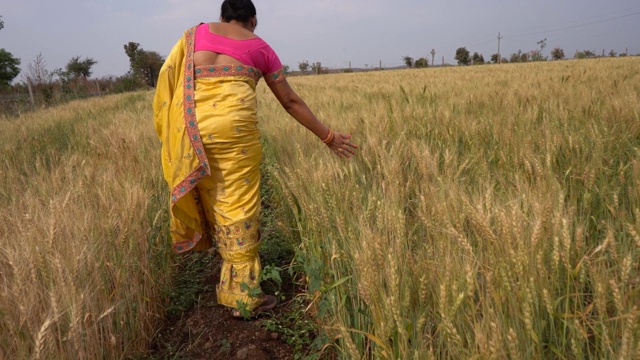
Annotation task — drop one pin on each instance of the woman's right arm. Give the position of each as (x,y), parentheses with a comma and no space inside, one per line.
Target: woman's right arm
(298,109)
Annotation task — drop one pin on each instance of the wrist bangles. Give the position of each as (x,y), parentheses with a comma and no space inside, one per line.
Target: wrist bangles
(329,137)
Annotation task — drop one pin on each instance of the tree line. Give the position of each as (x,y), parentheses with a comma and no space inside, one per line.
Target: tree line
(464,57)
(42,86)
(144,68)
(49,86)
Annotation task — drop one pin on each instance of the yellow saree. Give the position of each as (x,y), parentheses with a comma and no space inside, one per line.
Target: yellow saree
(206,120)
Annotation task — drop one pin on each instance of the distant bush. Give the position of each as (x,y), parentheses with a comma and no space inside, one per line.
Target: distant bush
(16,99)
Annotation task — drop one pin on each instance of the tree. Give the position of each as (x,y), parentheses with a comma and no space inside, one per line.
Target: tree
(589,54)
(462,56)
(536,55)
(8,67)
(148,65)
(494,58)
(131,49)
(37,71)
(304,67)
(285,68)
(519,57)
(421,63)
(478,59)
(41,78)
(1,23)
(316,67)
(433,56)
(145,65)
(612,53)
(542,44)
(557,54)
(77,68)
(408,61)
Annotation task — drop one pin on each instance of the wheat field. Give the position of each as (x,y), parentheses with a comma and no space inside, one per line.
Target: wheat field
(493,212)
(84,256)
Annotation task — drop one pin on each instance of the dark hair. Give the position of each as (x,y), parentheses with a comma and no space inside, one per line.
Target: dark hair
(238,10)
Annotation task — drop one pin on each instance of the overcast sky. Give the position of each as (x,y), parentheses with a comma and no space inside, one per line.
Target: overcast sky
(333,32)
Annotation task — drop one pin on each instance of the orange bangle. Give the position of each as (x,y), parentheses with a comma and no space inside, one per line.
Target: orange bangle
(329,137)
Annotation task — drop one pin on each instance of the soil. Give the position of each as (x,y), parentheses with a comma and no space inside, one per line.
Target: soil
(208,331)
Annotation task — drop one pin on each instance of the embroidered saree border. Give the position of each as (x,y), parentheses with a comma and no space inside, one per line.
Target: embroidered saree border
(208,71)
(276,77)
(191,126)
(191,123)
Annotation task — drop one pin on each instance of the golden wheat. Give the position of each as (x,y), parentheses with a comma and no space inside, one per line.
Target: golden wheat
(494,204)
(83,265)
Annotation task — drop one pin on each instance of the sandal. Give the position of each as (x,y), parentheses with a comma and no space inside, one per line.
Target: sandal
(268,303)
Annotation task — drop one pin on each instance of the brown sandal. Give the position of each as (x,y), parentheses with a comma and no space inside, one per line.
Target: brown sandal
(268,303)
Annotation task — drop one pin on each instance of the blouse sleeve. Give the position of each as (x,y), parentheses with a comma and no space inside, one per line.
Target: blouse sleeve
(274,72)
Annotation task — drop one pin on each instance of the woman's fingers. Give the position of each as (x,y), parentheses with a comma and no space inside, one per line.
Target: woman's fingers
(342,146)
(343,153)
(345,141)
(348,150)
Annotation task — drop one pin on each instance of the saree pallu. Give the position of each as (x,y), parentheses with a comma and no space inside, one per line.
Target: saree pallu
(207,122)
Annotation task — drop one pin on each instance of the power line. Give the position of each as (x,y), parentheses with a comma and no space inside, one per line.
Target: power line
(563,28)
(555,29)
(569,22)
(577,26)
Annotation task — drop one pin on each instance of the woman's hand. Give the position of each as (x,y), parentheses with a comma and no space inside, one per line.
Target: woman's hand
(342,146)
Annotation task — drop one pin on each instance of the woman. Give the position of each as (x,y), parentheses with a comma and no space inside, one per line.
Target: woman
(205,116)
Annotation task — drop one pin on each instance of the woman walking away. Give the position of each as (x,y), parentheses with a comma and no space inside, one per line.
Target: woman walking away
(205,114)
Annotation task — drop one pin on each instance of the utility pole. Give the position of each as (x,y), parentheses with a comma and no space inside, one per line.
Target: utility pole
(499,56)
(433,56)
(443,61)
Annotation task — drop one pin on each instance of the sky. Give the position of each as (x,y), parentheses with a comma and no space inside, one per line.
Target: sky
(333,32)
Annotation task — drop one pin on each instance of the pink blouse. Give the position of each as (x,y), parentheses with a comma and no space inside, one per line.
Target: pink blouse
(253,52)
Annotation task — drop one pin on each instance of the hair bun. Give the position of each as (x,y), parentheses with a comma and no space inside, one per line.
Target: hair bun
(236,4)
(240,10)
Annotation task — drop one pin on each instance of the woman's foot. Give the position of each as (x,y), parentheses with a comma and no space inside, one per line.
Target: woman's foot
(268,303)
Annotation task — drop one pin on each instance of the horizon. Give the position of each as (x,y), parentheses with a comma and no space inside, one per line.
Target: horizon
(363,33)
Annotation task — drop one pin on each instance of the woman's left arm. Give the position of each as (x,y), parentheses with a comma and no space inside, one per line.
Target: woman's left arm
(298,109)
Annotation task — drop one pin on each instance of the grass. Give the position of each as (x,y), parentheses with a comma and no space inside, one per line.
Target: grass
(297,329)
(493,211)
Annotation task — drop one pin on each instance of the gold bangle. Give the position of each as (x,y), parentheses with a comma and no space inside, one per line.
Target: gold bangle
(330,140)
(329,137)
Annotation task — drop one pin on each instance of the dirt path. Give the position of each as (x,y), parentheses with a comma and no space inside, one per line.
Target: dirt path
(207,330)
(198,328)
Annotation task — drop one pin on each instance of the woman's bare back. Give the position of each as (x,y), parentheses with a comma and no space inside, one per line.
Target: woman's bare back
(202,58)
